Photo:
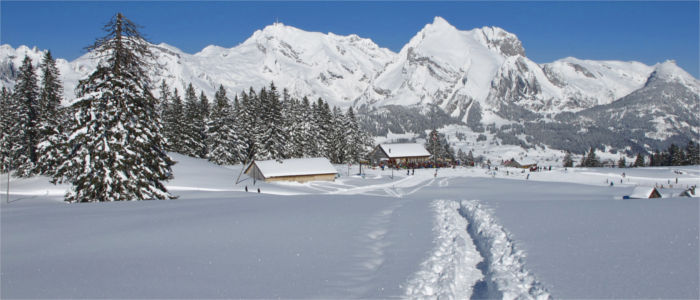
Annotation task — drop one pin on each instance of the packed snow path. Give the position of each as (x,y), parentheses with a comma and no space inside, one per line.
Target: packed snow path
(372,237)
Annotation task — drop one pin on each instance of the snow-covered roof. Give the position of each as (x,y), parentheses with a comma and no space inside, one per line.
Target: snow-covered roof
(295,167)
(642,192)
(404,150)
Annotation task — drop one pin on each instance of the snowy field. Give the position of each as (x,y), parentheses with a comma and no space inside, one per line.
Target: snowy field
(467,232)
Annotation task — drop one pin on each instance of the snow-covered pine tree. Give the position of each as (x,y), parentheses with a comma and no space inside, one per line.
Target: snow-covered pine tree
(51,148)
(204,112)
(639,161)
(291,113)
(622,162)
(194,126)
(173,123)
(676,155)
(461,156)
(116,141)
(433,145)
(310,128)
(337,143)
(323,119)
(692,154)
(163,100)
(356,145)
(25,129)
(274,138)
(6,121)
(591,160)
(568,161)
(448,152)
(225,147)
(470,158)
(246,124)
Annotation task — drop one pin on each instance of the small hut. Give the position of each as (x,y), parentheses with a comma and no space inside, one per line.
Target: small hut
(512,163)
(299,169)
(644,192)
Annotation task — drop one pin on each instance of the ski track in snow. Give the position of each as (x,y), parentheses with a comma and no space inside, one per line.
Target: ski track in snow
(393,189)
(450,272)
(505,275)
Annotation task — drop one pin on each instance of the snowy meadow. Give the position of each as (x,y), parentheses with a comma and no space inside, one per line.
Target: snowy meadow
(455,233)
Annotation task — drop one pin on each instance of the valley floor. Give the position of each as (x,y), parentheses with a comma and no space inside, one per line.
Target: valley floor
(462,233)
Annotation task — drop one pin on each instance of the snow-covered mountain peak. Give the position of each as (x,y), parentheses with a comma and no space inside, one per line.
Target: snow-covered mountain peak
(439,24)
(670,72)
(211,50)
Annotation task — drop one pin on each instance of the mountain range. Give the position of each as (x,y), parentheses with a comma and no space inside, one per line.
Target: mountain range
(481,78)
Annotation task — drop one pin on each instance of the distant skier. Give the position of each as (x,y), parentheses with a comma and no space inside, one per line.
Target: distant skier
(408,172)
(246,188)
(258,190)
(413,172)
(527,177)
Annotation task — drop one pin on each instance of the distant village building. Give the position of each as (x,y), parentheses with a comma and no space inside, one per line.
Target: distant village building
(515,164)
(644,192)
(399,154)
(299,169)
(512,163)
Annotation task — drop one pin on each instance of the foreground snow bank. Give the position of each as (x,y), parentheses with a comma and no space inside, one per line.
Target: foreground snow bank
(505,274)
(450,272)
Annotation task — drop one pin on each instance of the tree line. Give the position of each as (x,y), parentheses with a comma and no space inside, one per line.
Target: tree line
(259,125)
(673,156)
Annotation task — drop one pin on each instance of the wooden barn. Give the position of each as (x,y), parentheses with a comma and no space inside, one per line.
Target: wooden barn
(399,154)
(644,192)
(298,169)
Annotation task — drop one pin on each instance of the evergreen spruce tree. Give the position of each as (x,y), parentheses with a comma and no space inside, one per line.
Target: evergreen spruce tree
(337,143)
(6,138)
(307,128)
(470,158)
(246,123)
(622,162)
(116,142)
(654,159)
(314,134)
(692,155)
(324,119)
(448,153)
(292,115)
(568,161)
(174,122)
(204,111)
(433,145)
(163,100)
(51,148)
(355,137)
(639,161)
(461,156)
(274,137)
(225,147)
(193,128)
(676,156)
(592,159)
(25,129)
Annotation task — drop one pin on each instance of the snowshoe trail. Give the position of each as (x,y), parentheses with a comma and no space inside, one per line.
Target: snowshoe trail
(450,272)
(505,275)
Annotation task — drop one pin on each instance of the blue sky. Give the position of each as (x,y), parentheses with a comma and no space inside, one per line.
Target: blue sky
(649,32)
